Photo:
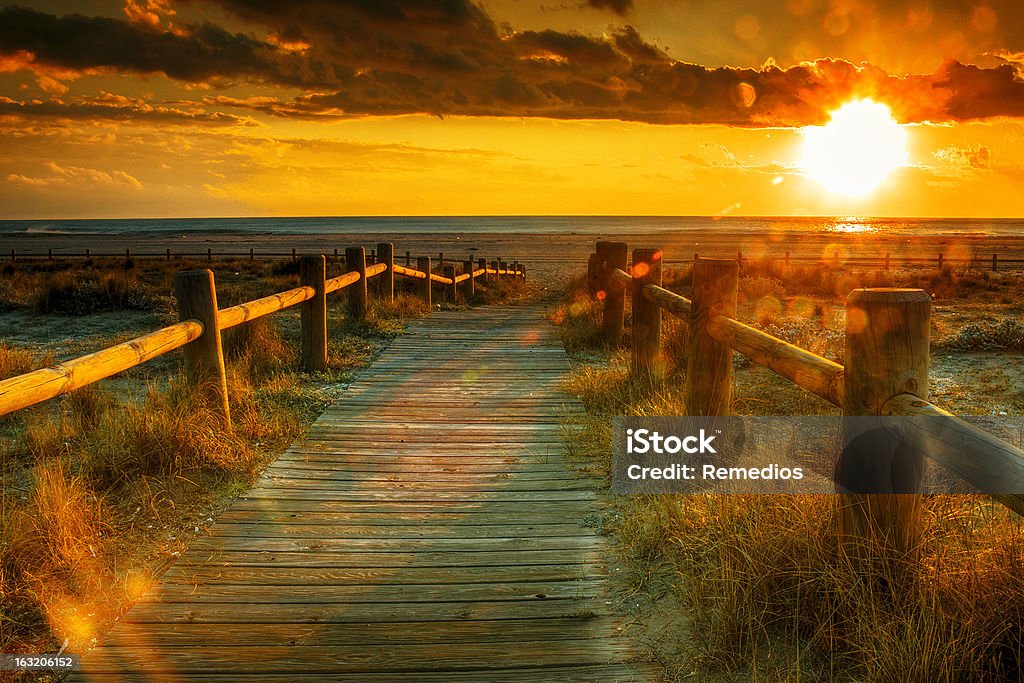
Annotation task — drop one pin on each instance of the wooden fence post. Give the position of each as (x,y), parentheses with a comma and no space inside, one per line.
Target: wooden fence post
(252,253)
(168,254)
(313,273)
(709,363)
(49,254)
(482,265)
(522,271)
(355,260)
(386,286)
(440,262)
(467,267)
(423,265)
(128,255)
(293,253)
(647,361)
(494,267)
(209,254)
(616,256)
(453,288)
(204,357)
(408,259)
(887,347)
(592,265)
(940,260)
(600,285)
(995,262)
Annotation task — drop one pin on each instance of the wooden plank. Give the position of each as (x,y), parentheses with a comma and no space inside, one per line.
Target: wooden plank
(177,635)
(274,529)
(397,559)
(408,545)
(219,592)
(358,613)
(375,576)
(366,658)
(277,506)
(601,673)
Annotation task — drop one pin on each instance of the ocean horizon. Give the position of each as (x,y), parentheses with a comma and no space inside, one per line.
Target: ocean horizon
(623,225)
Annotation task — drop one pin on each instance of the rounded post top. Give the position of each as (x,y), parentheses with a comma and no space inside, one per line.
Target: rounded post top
(889,295)
(198,272)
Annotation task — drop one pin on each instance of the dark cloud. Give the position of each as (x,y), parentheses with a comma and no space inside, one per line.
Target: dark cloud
(620,7)
(74,41)
(447,57)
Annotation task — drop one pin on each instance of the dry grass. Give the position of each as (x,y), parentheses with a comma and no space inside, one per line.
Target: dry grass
(758,587)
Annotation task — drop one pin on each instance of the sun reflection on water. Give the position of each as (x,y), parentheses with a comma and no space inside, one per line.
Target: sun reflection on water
(852,225)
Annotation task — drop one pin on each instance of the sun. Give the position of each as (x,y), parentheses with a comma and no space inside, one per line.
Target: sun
(856,150)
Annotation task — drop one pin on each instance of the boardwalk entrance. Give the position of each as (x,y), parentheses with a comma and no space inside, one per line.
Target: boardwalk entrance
(427,529)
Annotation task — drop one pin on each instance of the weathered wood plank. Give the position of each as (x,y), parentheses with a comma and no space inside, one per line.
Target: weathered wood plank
(376,576)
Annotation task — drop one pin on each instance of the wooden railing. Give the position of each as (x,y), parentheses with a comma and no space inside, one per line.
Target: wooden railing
(886,261)
(885,374)
(198,333)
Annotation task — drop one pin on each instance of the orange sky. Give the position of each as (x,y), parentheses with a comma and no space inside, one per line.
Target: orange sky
(161,108)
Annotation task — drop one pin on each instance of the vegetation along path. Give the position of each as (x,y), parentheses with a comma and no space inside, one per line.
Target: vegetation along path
(427,528)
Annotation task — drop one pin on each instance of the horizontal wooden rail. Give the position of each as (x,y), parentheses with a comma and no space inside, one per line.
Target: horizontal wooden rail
(956,445)
(810,371)
(340,282)
(678,306)
(410,272)
(622,278)
(434,277)
(251,310)
(375,269)
(40,385)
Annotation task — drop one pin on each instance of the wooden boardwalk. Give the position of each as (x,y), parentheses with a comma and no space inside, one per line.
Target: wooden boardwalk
(427,529)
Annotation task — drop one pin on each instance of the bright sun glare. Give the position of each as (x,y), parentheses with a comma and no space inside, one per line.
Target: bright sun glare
(856,150)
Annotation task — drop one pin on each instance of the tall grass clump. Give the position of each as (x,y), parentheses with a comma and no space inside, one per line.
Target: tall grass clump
(53,556)
(85,292)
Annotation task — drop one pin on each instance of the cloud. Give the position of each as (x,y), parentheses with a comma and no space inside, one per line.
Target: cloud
(64,176)
(109,107)
(448,57)
(620,7)
(79,43)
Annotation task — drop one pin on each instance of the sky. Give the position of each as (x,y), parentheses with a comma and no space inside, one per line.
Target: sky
(179,108)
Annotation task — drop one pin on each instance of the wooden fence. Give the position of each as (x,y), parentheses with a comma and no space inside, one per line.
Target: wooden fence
(199,332)
(885,374)
(784,260)
(169,255)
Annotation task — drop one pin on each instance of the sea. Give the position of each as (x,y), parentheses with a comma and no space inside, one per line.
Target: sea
(617,225)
